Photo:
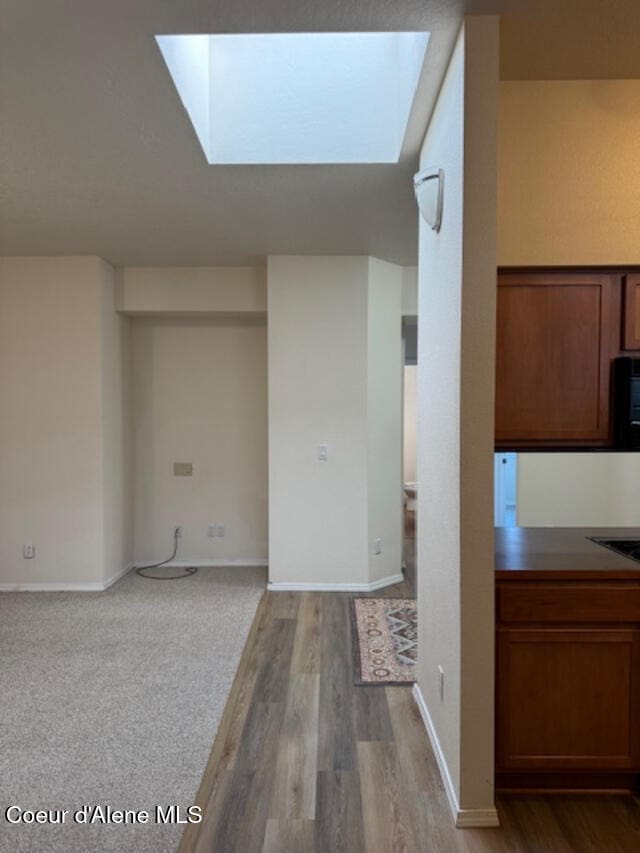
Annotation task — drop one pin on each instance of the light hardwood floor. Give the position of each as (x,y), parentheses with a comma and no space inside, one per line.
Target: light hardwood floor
(306,761)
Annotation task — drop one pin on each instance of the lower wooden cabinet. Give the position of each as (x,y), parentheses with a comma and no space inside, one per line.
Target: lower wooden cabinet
(567,699)
(568,702)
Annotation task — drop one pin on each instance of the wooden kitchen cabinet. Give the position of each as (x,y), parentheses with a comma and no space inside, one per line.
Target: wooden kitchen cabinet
(557,333)
(568,699)
(567,660)
(631,321)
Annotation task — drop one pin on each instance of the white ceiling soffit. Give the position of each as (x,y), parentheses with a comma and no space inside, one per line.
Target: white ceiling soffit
(287,98)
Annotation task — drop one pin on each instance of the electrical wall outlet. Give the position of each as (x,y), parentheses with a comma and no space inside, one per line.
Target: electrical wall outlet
(323,452)
(28,551)
(377,546)
(178,532)
(220,530)
(441,682)
(211,531)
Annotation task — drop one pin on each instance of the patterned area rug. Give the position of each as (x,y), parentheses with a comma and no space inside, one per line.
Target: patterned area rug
(385,640)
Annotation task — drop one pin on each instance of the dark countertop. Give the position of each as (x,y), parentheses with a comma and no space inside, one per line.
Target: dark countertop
(535,553)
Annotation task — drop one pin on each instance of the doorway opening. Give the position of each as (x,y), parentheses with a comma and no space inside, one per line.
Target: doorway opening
(506,489)
(410,424)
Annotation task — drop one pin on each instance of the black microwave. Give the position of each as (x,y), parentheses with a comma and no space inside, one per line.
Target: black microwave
(626,379)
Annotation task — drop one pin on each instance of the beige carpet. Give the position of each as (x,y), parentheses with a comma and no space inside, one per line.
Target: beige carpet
(114,699)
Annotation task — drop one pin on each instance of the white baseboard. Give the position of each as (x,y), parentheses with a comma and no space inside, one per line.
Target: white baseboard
(81,586)
(110,581)
(477,818)
(100,586)
(290,586)
(209,563)
(464,818)
(97,586)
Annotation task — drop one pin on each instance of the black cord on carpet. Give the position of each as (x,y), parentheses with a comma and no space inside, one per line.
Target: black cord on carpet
(188,571)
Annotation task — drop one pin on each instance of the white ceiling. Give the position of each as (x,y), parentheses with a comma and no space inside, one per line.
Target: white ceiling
(98,156)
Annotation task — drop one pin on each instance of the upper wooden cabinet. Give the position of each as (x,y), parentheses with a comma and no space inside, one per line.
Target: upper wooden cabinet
(631,325)
(557,333)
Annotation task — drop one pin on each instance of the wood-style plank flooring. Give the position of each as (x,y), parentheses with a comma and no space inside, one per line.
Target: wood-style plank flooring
(306,761)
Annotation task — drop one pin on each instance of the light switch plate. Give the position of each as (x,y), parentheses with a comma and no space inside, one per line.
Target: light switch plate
(183,469)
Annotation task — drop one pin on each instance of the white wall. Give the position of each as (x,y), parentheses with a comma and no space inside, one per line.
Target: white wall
(117,455)
(200,392)
(410,469)
(409,291)
(569,172)
(335,374)
(192,290)
(438,536)
(578,489)
(61,475)
(456,340)
(318,511)
(384,416)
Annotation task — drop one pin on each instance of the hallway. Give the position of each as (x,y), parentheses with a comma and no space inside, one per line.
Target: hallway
(306,761)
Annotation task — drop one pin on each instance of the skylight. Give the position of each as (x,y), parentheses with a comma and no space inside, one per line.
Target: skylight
(298,97)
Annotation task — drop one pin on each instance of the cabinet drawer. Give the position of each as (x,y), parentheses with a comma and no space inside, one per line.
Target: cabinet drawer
(569,603)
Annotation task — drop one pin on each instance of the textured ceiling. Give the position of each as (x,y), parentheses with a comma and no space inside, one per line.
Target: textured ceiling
(98,157)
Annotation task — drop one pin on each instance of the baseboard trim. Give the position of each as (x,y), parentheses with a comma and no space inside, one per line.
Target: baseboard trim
(437,750)
(210,563)
(96,586)
(82,586)
(464,818)
(110,581)
(289,586)
(477,819)
(101,586)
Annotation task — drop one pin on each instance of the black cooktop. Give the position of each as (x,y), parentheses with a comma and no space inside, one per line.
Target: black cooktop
(626,547)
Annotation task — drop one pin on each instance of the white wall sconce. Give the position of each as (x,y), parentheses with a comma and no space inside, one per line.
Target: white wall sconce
(428,185)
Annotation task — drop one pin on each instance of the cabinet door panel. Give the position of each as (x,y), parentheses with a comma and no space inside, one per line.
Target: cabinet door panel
(632,312)
(554,350)
(567,699)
